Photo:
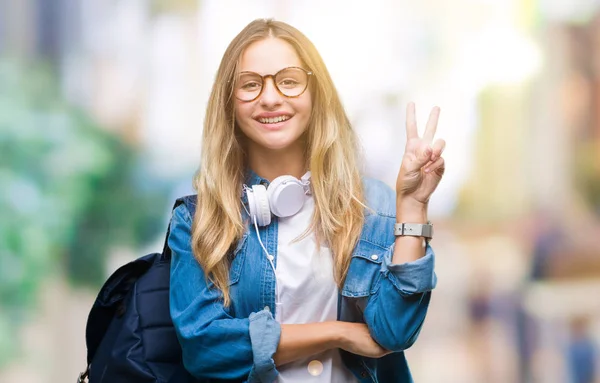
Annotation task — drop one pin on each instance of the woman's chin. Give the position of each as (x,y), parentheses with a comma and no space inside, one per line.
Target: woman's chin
(277,147)
(281,144)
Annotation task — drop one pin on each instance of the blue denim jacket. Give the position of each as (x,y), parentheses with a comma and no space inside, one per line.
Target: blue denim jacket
(237,343)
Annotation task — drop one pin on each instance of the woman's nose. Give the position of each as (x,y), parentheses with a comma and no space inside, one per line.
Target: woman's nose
(270,95)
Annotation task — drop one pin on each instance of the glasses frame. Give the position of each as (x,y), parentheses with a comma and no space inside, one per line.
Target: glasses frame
(272,77)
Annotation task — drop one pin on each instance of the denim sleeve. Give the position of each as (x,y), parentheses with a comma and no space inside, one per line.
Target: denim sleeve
(214,344)
(412,277)
(395,312)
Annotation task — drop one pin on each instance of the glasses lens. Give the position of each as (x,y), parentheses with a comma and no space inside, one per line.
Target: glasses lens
(248,86)
(291,81)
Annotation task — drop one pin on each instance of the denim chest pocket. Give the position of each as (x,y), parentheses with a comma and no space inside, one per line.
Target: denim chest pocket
(365,270)
(237,261)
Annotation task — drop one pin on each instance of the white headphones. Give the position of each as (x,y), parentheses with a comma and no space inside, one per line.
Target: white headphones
(284,197)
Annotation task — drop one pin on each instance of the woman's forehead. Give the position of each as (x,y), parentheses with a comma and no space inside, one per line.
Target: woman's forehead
(269,56)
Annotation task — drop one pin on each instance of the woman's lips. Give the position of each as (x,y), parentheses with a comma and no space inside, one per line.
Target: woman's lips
(274,125)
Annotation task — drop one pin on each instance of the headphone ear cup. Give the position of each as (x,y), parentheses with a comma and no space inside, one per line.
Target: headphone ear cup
(261,201)
(286,196)
(252,205)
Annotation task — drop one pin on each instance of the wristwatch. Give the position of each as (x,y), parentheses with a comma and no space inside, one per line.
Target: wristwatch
(414,229)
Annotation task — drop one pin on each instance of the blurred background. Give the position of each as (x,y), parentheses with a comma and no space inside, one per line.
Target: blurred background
(101,110)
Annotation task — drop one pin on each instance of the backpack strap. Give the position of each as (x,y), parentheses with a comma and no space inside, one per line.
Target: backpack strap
(190,202)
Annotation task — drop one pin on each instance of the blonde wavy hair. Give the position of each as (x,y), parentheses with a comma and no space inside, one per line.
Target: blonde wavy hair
(331,154)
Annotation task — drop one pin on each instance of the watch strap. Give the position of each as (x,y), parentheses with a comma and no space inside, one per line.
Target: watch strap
(414,229)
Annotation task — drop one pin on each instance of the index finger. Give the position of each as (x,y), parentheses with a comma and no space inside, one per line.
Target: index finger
(411,122)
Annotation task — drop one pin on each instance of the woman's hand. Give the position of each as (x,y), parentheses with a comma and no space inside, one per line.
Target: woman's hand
(422,166)
(357,340)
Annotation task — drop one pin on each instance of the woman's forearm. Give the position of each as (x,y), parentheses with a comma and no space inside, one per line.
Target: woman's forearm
(408,248)
(300,341)
(303,340)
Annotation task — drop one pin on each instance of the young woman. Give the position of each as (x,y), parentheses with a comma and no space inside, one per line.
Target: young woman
(293,267)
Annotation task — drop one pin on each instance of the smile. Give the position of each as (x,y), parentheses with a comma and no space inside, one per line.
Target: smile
(273,120)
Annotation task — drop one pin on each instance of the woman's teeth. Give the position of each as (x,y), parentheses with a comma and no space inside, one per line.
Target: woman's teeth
(273,120)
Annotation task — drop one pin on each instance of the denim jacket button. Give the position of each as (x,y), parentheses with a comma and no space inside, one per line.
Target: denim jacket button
(374,257)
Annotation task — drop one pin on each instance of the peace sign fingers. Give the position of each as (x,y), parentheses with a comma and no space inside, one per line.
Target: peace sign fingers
(411,123)
(422,164)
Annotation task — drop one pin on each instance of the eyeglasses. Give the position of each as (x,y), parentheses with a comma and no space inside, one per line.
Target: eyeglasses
(289,82)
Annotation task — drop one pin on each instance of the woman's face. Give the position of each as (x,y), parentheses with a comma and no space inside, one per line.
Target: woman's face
(272,122)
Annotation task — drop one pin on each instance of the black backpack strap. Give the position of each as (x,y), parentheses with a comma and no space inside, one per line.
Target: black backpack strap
(190,202)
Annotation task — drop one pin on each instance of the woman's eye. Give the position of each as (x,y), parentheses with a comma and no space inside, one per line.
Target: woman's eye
(288,82)
(251,85)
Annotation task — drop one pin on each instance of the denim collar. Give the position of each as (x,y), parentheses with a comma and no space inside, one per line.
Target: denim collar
(251,178)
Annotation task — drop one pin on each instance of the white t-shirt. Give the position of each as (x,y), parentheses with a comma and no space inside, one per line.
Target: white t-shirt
(307,294)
